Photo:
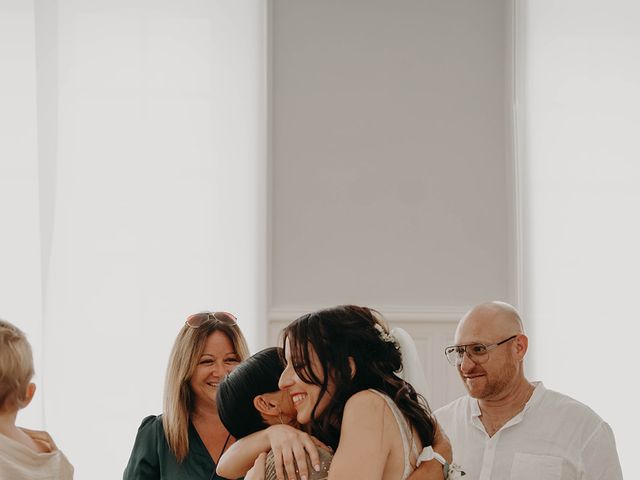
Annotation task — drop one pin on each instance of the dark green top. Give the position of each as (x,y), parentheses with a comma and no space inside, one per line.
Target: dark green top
(151,458)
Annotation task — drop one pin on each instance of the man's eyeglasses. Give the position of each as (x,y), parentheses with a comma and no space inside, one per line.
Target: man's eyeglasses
(197,319)
(477,352)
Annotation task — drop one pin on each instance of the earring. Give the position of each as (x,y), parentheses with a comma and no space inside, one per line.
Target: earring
(280,416)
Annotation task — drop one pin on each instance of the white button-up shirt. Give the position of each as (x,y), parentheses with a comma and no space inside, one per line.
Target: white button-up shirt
(553,438)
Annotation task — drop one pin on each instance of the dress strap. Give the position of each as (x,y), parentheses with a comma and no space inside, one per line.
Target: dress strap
(406,433)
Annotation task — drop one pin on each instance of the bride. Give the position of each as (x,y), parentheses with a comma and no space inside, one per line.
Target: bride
(341,372)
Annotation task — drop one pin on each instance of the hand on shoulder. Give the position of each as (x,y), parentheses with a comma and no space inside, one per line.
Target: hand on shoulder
(257,472)
(290,446)
(41,438)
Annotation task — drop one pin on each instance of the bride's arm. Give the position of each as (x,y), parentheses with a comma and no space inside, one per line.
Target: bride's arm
(364,447)
(432,470)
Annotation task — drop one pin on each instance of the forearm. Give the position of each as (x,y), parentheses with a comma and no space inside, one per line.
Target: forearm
(432,469)
(240,456)
(442,444)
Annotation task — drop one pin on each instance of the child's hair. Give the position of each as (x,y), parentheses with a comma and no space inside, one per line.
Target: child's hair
(336,335)
(257,375)
(16,366)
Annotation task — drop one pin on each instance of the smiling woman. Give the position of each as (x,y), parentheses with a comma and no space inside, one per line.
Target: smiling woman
(187,440)
(341,373)
(218,358)
(339,382)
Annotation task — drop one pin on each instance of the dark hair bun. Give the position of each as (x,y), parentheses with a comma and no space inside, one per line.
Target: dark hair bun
(257,375)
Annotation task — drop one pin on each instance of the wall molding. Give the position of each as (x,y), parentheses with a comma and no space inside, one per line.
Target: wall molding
(393,313)
(432,328)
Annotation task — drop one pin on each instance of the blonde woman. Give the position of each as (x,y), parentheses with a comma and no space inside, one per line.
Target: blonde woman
(186,441)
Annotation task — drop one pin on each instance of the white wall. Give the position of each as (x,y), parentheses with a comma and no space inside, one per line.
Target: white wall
(20,260)
(390,162)
(132,193)
(580,75)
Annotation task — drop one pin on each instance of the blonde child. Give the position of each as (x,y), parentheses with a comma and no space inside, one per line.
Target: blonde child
(24,454)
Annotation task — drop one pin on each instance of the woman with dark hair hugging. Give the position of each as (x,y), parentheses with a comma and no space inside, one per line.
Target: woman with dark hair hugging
(341,373)
(249,401)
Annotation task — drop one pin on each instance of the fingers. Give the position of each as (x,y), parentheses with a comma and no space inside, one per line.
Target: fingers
(311,446)
(288,460)
(41,436)
(293,460)
(301,461)
(318,443)
(257,472)
(290,448)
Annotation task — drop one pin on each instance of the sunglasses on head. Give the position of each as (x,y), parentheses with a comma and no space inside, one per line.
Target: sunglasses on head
(198,319)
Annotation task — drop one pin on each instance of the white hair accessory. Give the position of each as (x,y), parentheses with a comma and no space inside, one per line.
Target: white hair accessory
(382,333)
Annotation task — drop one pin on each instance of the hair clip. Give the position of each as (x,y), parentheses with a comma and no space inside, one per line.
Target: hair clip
(382,333)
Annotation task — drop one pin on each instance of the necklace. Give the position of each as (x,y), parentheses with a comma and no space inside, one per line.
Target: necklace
(224,446)
(213,474)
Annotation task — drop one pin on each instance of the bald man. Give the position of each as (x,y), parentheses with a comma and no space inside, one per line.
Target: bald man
(508,427)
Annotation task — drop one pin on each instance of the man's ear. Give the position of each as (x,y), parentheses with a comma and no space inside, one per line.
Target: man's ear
(522,344)
(266,407)
(352,365)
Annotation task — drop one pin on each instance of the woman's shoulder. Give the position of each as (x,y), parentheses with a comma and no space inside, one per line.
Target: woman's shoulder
(366,402)
(151,427)
(144,460)
(150,420)
(369,404)
(371,396)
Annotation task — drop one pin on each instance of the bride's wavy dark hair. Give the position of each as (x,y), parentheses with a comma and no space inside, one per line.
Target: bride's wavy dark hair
(336,334)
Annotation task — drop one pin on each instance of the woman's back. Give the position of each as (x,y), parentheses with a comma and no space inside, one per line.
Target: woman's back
(375,438)
(408,454)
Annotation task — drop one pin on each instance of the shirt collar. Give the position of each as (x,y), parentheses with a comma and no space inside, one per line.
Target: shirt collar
(536,397)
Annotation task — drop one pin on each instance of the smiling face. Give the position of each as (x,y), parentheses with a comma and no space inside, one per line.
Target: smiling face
(218,358)
(502,369)
(304,395)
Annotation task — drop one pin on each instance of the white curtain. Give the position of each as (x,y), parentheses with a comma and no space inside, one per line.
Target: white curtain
(133,193)
(579,71)
(20,262)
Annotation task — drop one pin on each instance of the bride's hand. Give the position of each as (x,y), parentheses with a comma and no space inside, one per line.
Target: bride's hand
(289,446)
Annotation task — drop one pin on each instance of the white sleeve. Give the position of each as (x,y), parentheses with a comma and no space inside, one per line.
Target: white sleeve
(600,457)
